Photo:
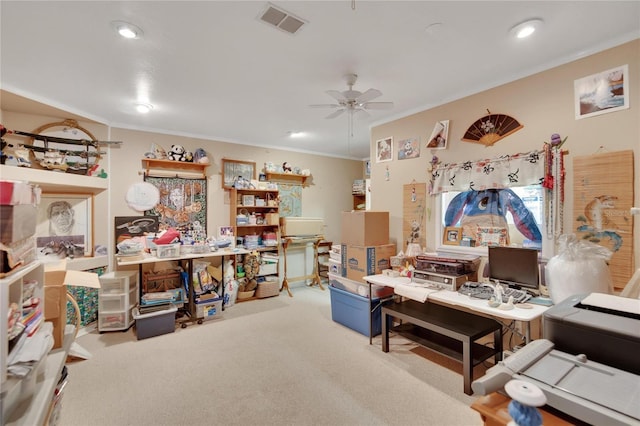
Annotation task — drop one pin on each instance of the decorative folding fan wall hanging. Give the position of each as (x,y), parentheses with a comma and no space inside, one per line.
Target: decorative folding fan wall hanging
(491,128)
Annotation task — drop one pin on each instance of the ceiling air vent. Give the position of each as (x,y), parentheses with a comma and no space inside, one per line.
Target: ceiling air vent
(281,19)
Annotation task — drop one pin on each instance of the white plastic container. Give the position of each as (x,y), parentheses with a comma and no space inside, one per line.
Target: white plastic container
(164,251)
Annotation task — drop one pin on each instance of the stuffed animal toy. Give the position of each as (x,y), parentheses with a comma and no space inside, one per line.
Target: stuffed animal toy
(286,168)
(489,208)
(157,152)
(200,156)
(177,153)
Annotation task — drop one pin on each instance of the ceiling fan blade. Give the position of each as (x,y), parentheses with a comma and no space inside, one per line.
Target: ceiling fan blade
(325,106)
(338,96)
(368,95)
(377,105)
(360,113)
(335,113)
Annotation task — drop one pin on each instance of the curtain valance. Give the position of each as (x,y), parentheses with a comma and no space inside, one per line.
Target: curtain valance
(502,172)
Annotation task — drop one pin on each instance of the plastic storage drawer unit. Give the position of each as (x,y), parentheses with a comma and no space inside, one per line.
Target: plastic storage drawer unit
(352,311)
(155,323)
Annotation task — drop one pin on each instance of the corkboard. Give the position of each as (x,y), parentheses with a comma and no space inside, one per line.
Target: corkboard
(603,197)
(413,217)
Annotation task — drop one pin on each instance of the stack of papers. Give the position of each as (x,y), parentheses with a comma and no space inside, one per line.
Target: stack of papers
(414,291)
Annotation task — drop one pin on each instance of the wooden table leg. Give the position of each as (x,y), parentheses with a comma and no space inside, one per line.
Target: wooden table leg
(316,271)
(285,282)
(385,331)
(467,365)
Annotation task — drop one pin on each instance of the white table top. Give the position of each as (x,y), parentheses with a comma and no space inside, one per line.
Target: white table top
(456,299)
(147,258)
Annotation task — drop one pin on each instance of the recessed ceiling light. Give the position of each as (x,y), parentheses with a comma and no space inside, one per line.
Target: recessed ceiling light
(127,30)
(526,28)
(144,108)
(294,134)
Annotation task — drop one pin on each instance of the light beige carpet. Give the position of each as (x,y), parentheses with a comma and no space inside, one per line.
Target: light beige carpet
(280,360)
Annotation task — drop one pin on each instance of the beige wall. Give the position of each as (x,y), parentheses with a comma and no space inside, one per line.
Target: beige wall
(544,104)
(327,194)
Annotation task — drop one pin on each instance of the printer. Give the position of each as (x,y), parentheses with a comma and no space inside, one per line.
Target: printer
(604,327)
(588,362)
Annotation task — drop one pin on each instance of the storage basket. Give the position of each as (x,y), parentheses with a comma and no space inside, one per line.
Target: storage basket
(267,289)
(243,295)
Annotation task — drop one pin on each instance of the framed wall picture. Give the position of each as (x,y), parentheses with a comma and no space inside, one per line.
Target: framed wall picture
(452,236)
(134,226)
(65,224)
(384,150)
(439,135)
(408,148)
(607,91)
(488,236)
(232,169)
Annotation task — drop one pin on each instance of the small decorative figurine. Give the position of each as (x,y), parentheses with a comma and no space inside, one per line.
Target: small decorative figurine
(286,168)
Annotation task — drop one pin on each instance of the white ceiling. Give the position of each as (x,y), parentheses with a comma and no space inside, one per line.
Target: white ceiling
(213,70)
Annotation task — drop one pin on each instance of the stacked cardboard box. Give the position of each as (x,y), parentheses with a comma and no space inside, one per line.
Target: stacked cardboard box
(18,217)
(364,250)
(365,246)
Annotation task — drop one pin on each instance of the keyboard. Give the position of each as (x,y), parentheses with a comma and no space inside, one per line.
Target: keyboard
(483,291)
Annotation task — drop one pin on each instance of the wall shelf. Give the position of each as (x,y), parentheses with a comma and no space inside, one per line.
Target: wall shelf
(51,181)
(286,177)
(150,164)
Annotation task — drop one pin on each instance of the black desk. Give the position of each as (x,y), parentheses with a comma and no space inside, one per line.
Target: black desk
(446,330)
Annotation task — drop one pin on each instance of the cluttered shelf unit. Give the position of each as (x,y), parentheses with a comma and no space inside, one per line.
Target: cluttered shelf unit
(256,227)
(28,400)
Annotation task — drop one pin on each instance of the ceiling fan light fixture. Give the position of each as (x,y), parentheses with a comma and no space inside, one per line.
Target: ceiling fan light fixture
(526,28)
(143,108)
(127,30)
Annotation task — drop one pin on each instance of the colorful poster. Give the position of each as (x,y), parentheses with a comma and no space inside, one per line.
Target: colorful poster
(602,201)
(290,200)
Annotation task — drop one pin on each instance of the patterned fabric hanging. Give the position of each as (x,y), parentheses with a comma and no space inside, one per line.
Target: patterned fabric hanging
(502,172)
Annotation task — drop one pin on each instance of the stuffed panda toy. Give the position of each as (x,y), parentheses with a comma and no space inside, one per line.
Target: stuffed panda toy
(178,153)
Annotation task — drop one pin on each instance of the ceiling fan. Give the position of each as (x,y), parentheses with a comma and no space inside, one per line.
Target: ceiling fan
(353,101)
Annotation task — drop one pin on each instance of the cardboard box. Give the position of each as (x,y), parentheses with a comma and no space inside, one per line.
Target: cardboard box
(365,228)
(17,222)
(272,218)
(16,254)
(360,261)
(56,279)
(17,192)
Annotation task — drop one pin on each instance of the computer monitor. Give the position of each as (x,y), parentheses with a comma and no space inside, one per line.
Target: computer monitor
(517,267)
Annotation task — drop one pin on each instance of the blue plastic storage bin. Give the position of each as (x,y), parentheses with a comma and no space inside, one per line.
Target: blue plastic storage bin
(352,311)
